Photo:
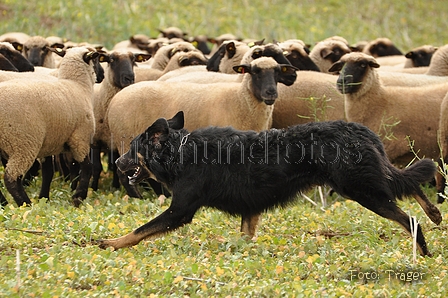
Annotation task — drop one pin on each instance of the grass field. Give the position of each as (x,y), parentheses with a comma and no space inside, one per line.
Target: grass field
(337,250)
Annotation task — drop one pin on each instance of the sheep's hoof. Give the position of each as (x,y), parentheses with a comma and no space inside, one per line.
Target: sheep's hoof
(77,202)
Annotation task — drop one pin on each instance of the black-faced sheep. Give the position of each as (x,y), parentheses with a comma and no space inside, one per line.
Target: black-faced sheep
(227,56)
(246,105)
(136,44)
(172,32)
(15,57)
(327,52)
(36,50)
(420,56)
(6,65)
(177,61)
(402,116)
(41,119)
(297,52)
(12,37)
(119,74)
(381,47)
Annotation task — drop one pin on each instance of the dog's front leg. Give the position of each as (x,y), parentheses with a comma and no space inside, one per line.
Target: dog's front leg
(249,224)
(169,220)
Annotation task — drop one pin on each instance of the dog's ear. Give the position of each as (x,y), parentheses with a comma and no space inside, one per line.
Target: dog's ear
(177,122)
(157,132)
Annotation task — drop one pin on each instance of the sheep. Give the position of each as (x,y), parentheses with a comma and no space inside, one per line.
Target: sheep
(36,50)
(6,65)
(218,41)
(136,44)
(13,37)
(246,105)
(227,56)
(297,53)
(443,138)
(199,75)
(15,57)
(439,62)
(119,74)
(420,56)
(172,32)
(381,47)
(312,97)
(327,52)
(56,116)
(177,61)
(201,43)
(402,116)
(164,54)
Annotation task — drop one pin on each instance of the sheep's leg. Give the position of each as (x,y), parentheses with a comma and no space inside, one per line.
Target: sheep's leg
(15,188)
(15,168)
(3,201)
(249,224)
(113,167)
(47,177)
(131,190)
(95,156)
(74,173)
(388,209)
(32,172)
(169,220)
(84,179)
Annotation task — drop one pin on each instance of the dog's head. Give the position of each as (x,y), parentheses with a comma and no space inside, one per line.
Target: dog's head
(145,146)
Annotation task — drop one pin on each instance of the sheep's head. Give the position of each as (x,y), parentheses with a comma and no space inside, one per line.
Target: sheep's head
(37,49)
(265,73)
(421,56)
(297,53)
(11,54)
(381,47)
(353,68)
(121,66)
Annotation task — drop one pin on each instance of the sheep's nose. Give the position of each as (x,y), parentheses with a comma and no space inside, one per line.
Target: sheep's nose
(127,80)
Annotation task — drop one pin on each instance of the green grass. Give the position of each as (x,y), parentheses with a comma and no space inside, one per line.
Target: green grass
(407,23)
(301,251)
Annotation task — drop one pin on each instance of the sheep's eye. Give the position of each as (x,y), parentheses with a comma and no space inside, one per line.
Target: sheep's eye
(363,65)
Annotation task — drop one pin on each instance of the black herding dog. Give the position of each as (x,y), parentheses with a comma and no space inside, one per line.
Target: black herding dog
(246,173)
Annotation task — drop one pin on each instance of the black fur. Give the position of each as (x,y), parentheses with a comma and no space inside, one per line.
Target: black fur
(246,173)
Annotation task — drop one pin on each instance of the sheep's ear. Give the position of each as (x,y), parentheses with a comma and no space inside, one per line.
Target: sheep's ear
(177,122)
(230,49)
(90,56)
(103,57)
(409,54)
(141,57)
(17,45)
(337,66)
(242,69)
(288,74)
(373,64)
(57,45)
(158,131)
(257,53)
(57,51)
(325,53)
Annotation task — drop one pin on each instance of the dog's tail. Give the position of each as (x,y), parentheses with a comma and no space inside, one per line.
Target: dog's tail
(405,182)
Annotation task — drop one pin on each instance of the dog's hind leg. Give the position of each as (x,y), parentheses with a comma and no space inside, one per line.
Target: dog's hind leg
(169,220)
(432,211)
(389,210)
(249,224)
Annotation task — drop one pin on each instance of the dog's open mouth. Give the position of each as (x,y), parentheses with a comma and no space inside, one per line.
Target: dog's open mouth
(134,179)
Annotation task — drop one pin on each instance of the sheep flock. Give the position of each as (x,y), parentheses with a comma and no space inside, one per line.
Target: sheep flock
(68,105)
